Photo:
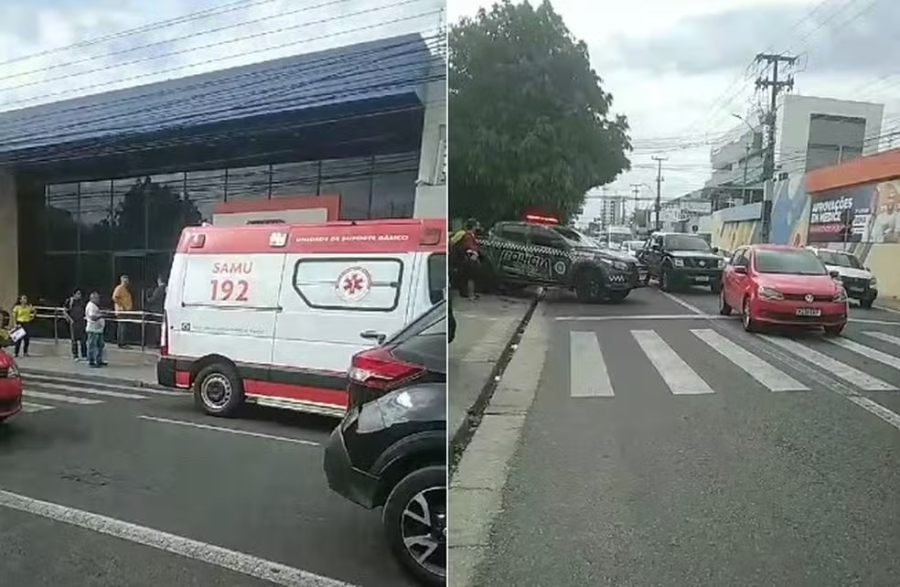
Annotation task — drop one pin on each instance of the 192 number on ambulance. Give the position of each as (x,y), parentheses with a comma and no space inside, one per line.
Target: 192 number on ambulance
(224,289)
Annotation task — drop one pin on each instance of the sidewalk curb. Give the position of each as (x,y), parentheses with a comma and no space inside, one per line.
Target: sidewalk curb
(90,378)
(459,438)
(478,484)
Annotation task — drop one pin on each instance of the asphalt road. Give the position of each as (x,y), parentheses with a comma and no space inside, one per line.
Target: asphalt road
(666,447)
(191,490)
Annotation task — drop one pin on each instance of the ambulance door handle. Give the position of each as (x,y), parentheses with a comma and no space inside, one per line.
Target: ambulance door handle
(372,335)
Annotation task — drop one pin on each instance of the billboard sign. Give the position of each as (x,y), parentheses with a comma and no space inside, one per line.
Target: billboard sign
(868,213)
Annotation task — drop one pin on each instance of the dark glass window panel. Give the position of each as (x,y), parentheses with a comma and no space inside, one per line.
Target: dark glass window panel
(295,179)
(818,156)
(62,217)
(248,183)
(130,213)
(168,211)
(351,179)
(96,215)
(394,186)
(158,265)
(96,274)
(58,279)
(205,189)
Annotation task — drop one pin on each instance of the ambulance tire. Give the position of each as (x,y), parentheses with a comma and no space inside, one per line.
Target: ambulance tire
(218,390)
(412,488)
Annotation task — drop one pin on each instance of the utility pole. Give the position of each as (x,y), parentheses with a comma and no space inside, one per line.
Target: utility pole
(744,184)
(776,86)
(659,180)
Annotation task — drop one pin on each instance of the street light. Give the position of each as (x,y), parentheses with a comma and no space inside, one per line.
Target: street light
(746,156)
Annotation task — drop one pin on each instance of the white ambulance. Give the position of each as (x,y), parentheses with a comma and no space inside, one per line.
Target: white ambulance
(273,314)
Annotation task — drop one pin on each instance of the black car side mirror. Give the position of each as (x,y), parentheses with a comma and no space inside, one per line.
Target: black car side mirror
(715,249)
(655,247)
(834,274)
(740,270)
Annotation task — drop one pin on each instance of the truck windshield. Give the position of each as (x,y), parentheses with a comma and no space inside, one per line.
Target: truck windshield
(619,237)
(686,242)
(840,259)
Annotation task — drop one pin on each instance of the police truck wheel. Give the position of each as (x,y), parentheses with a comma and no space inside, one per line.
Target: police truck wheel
(218,390)
(589,287)
(618,296)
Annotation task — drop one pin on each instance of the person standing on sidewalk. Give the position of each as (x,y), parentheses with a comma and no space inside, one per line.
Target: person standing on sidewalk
(23,315)
(123,302)
(94,326)
(74,312)
(464,254)
(155,304)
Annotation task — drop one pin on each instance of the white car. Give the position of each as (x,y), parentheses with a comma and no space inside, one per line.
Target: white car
(859,282)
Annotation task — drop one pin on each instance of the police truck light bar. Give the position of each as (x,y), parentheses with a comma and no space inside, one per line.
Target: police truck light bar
(541,219)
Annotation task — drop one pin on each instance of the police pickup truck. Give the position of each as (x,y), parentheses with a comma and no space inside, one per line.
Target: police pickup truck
(518,254)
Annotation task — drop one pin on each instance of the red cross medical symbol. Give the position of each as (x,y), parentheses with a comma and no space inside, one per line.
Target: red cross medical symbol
(353,283)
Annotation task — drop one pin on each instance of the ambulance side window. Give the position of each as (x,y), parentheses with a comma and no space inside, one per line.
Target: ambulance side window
(338,283)
(437,276)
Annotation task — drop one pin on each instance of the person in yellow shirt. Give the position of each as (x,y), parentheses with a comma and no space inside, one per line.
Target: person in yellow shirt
(122,302)
(22,316)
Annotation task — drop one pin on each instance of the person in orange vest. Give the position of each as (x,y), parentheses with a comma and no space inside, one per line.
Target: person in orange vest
(122,302)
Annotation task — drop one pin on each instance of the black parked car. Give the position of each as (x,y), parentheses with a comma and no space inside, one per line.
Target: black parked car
(518,254)
(390,449)
(679,259)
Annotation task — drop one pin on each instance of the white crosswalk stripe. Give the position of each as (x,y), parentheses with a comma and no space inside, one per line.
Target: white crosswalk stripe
(70,399)
(678,375)
(844,371)
(883,336)
(29,407)
(587,369)
(773,378)
(90,391)
(861,349)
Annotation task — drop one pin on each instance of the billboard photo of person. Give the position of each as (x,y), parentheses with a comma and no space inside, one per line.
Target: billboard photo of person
(885,227)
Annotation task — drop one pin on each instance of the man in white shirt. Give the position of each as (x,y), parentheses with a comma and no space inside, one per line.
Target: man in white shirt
(95,325)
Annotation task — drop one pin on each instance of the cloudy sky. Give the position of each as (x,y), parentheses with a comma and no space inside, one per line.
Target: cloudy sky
(679,68)
(56,49)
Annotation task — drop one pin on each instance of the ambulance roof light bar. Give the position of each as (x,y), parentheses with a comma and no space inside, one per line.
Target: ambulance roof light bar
(541,219)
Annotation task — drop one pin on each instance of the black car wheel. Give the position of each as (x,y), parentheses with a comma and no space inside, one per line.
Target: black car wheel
(415,523)
(724,308)
(665,281)
(589,286)
(866,303)
(218,390)
(834,330)
(746,318)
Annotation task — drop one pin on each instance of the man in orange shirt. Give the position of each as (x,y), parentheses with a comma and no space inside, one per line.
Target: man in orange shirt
(123,302)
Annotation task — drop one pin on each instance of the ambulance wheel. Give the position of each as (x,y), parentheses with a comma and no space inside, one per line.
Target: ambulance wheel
(218,390)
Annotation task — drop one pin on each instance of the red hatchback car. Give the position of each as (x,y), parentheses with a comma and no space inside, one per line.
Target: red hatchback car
(773,285)
(10,387)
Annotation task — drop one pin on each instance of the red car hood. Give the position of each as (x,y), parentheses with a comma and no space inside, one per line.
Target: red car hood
(819,285)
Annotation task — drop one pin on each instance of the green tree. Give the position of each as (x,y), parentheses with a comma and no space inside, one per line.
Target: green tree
(530,127)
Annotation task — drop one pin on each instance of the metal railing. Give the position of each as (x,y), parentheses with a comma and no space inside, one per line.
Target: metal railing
(141,317)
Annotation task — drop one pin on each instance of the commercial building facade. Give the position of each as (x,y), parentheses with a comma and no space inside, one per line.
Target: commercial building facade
(94,187)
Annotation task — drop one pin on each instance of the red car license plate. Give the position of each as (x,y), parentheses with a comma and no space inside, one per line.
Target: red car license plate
(809,312)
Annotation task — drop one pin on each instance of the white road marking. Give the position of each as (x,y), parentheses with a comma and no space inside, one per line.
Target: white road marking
(587,369)
(683,303)
(640,317)
(89,390)
(870,321)
(246,564)
(678,375)
(887,309)
(229,430)
(60,398)
(773,378)
(29,407)
(865,351)
(883,336)
(849,374)
(115,386)
(879,410)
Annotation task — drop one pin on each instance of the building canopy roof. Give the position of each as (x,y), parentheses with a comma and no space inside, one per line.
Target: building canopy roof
(388,68)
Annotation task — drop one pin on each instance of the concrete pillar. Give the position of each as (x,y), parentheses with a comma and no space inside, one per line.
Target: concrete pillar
(431,187)
(9,239)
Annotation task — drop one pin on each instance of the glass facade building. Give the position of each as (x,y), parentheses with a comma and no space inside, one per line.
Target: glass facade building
(87,233)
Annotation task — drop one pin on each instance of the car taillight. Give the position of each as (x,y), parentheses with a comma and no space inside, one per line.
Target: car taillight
(378,369)
(163,336)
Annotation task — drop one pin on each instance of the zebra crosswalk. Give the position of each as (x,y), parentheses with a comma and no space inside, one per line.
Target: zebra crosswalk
(592,372)
(44,393)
